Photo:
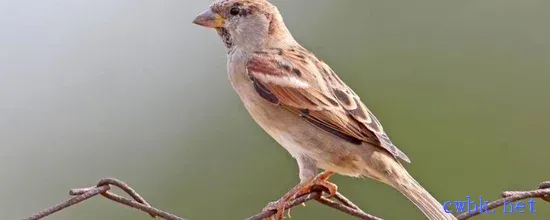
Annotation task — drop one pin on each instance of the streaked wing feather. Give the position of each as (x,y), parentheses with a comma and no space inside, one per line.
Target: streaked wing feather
(357,109)
(299,82)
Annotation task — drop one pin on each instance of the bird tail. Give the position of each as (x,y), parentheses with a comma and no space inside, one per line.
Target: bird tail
(411,189)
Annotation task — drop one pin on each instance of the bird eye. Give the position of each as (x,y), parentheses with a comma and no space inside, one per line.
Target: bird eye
(234,11)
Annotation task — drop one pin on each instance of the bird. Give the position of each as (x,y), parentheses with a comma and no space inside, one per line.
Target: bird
(305,106)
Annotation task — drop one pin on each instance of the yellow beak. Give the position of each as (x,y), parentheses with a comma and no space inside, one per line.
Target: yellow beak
(209,19)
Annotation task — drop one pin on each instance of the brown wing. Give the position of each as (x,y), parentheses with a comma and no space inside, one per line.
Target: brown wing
(298,81)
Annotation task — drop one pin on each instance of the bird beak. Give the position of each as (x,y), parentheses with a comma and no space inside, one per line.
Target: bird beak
(209,19)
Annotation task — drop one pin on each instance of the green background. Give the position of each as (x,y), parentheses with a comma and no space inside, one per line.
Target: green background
(131,89)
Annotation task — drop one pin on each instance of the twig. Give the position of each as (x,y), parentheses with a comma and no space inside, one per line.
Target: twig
(350,211)
(88,194)
(345,205)
(345,201)
(342,203)
(511,196)
(302,199)
(102,188)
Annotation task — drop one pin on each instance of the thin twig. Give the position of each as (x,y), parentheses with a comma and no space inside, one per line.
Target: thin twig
(350,211)
(342,203)
(346,201)
(511,196)
(302,199)
(102,188)
(345,205)
(56,208)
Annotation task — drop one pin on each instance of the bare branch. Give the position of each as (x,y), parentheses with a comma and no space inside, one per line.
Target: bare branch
(339,202)
(346,209)
(344,205)
(511,196)
(302,199)
(102,188)
(86,195)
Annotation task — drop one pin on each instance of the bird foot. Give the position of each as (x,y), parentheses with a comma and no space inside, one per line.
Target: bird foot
(320,180)
(299,190)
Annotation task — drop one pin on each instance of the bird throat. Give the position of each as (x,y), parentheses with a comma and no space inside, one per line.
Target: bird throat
(225,36)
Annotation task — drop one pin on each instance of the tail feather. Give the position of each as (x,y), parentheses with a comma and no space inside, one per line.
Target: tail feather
(411,189)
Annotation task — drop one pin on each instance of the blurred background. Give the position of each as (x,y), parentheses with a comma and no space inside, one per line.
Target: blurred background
(131,89)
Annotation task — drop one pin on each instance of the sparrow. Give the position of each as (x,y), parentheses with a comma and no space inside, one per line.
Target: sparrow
(301,102)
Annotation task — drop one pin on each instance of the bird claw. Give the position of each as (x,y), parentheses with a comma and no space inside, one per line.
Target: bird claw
(320,180)
(331,188)
(299,190)
(278,206)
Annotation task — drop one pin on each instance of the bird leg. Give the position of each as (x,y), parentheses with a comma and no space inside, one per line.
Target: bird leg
(301,189)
